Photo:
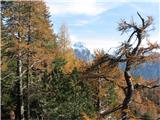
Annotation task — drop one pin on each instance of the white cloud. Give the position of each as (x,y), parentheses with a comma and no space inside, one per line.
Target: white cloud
(151,39)
(90,7)
(139,1)
(80,23)
(107,44)
(87,7)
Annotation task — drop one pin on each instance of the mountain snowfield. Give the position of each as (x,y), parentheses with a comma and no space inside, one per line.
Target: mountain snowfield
(82,52)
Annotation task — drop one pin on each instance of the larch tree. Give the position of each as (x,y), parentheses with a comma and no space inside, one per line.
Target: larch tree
(102,75)
(39,75)
(13,19)
(63,38)
(65,50)
(132,53)
(27,39)
(135,54)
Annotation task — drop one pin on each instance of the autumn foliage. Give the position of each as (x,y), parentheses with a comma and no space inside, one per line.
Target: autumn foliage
(41,77)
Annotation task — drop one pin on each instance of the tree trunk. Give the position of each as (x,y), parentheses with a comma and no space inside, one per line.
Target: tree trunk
(28,62)
(129,94)
(20,104)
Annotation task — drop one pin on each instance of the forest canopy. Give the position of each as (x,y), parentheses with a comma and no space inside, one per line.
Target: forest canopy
(43,79)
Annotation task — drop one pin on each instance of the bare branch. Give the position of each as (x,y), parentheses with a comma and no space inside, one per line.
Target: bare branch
(124,26)
(107,112)
(39,61)
(141,86)
(141,19)
(151,47)
(7,76)
(128,41)
(148,22)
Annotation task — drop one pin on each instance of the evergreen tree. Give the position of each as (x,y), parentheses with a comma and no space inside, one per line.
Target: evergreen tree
(22,23)
(67,96)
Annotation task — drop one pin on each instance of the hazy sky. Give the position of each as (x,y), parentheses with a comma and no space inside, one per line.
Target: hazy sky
(94,22)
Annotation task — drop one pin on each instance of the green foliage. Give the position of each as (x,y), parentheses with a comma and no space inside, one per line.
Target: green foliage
(9,97)
(58,63)
(53,94)
(112,94)
(68,97)
(17,16)
(111,98)
(147,116)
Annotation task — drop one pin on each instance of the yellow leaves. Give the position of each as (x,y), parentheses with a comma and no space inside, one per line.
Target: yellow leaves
(44,55)
(70,58)
(4,67)
(137,97)
(85,116)
(126,110)
(81,65)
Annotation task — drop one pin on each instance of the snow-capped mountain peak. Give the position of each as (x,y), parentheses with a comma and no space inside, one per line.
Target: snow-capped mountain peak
(82,52)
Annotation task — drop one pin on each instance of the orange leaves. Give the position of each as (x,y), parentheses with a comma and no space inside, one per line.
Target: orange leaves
(42,53)
(85,116)
(137,97)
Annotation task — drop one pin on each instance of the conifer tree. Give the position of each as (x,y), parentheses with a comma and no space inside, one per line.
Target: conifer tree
(25,42)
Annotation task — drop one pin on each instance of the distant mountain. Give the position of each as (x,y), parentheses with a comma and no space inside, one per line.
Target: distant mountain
(82,52)
(148,70)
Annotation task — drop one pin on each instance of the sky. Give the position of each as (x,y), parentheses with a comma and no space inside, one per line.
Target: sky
(95,22)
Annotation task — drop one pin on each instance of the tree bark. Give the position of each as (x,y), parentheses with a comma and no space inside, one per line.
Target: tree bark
(129,94)
(28,62)
(20,103)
